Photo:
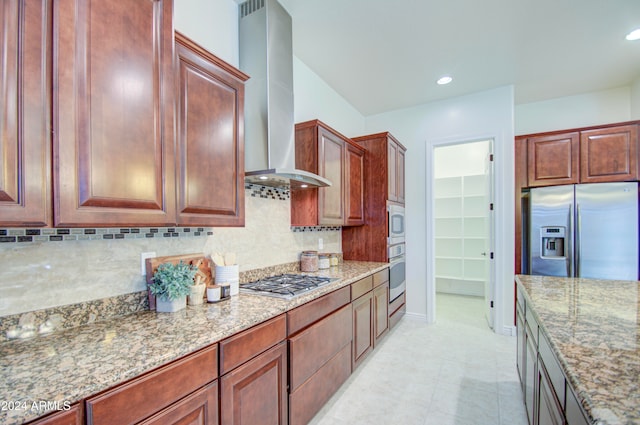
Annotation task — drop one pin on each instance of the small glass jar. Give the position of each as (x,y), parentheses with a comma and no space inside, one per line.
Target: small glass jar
(309,261)
(324,261)
(335,259)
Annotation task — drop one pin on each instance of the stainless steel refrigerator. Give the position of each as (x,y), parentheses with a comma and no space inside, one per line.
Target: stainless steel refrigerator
(585,230)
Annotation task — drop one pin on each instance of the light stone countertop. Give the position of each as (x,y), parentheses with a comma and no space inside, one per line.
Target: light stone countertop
(70,365)
(593,327)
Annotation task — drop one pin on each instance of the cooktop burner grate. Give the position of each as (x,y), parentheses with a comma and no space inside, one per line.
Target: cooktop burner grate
(285,285)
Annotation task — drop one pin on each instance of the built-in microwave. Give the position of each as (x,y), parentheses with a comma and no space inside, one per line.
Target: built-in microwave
(395,230)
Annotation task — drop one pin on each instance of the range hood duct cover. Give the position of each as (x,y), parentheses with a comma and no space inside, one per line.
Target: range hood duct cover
(266,54)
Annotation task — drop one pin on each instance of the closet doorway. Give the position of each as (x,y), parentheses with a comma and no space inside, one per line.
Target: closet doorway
(463,221)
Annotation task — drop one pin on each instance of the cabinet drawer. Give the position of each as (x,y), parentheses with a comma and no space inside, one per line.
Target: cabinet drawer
(140,398)
(312,348)
(520,298)
(380,277)
(73,416)
(301,317)
(532,323)
(553,368)
(247,344)
(361,287)
(396,304)
(307,400)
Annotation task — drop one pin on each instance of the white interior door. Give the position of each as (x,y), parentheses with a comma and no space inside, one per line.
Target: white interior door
(489,282)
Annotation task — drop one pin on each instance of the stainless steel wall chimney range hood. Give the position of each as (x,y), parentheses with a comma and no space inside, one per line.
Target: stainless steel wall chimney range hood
(266,54)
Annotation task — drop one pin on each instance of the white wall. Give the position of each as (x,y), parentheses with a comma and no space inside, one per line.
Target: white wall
(315,99)
(211,23)
(603,107)
(480,116)
(635,99)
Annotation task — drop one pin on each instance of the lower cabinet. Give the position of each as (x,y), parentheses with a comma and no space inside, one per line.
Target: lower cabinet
(548,395)
(253,368)
(73,416)
(380,311)
(362,328)
(140,399)
(256,392)
(549,410)
(199,408)
(319,363)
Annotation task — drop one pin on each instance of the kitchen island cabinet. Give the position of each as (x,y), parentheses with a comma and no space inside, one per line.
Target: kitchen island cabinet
(584,356)
(323,151)
(73,416)
(25,117)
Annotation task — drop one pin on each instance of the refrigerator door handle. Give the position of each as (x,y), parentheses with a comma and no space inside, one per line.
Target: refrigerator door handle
(577,247)
(569,248)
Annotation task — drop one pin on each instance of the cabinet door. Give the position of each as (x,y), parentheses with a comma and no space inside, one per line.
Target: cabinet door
(380,311)
(199,408)
(531,372)
(210,147)
(549,411)
(520,346)
(331,165)
(362,328)
(355,186)
(400,175)
(113,114)
(392,164)
(609,154)
(25,84)
(553,160)
(256,392)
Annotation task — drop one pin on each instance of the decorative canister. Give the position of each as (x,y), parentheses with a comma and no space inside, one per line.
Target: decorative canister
(324,261)
(335,259)
(309,261)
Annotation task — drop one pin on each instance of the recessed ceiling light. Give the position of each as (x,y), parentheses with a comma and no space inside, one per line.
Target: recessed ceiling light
(633,35)
(444,80)
(264,178)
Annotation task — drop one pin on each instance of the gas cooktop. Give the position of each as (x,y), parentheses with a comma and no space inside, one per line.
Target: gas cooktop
(285,285)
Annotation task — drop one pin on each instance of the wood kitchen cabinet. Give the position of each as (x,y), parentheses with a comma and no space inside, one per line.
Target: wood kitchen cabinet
(253,365)
(324,151)
(73,416)
(113,113)
(384,183)
(380,311)
(553,159)
(25,117)
(609,154)
(319,353)
(210,144)
(140,399)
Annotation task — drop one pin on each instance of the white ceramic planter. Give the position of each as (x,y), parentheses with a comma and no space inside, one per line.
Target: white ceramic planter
(163,306)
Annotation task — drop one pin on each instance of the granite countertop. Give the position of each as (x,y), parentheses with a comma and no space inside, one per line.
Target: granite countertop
(594,328)
(70,365)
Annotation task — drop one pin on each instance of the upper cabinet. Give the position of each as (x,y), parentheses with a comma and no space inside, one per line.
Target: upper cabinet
(210,142)
(609,154)
(605,154)
(554,159)
(395,169)
(384,183)
(126,126)
(324,151)
(113,113)
(25,84)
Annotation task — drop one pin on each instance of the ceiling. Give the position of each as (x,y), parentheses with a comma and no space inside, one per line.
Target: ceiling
(382,55)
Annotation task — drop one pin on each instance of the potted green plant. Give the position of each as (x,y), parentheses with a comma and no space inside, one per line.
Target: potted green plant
(171,284)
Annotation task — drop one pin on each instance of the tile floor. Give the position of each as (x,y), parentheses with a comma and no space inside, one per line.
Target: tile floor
(454,372)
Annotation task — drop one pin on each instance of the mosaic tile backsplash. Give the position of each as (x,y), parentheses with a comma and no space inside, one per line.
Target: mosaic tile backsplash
(42,274)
